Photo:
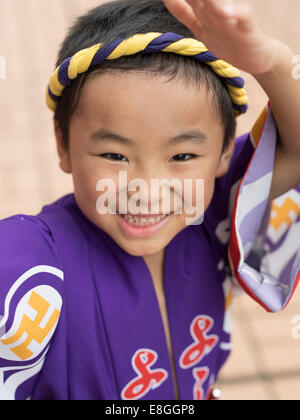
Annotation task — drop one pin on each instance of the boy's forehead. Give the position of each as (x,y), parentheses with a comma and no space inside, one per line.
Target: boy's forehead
(141,100)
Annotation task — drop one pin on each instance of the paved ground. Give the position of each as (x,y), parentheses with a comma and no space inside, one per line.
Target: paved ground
(266,361)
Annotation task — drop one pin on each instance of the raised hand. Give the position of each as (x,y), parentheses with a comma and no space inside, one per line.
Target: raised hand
(229,31)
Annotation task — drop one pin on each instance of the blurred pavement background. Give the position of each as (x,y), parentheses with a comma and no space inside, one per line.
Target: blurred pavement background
(265,363)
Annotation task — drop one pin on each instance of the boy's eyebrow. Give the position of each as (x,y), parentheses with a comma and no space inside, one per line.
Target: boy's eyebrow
(102,135)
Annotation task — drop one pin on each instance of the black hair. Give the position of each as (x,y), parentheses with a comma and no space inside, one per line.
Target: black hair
(123,19)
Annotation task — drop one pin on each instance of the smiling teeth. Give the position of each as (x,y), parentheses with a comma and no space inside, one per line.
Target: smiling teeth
(142,221)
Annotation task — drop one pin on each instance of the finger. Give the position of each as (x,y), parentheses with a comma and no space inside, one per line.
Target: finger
(216,8)
(182,11)
(232,13)
(245,20)
(210,12)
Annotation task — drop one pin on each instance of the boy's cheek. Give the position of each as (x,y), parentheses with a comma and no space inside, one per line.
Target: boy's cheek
(208,193)
(201,193)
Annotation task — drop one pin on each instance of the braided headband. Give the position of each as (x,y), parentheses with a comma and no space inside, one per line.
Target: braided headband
(151,42)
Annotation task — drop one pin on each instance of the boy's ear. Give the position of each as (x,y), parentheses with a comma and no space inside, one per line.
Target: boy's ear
(225,159)
(63,153)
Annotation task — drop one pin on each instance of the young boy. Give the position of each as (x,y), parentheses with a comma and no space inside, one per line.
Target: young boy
(137,306)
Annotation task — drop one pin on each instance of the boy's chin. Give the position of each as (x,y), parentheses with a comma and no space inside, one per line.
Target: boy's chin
(142,249)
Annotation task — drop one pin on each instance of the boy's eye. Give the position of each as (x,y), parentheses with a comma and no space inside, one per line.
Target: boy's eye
(114,156)
(183,157)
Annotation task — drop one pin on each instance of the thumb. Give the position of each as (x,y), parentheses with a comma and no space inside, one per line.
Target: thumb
(183,12)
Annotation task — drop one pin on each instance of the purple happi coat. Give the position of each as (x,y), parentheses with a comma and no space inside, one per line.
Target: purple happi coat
(79,317)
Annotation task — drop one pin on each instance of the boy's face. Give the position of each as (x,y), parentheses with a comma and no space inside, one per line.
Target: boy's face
(144,112)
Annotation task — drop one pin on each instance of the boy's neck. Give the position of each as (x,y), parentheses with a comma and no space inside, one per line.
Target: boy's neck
(155,265)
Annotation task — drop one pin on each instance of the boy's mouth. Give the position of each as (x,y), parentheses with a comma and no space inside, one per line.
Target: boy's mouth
(143,226)
(143,220)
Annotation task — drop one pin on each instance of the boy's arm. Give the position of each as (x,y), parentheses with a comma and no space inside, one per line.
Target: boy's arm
(230,32)
(31,290)
(284,94)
